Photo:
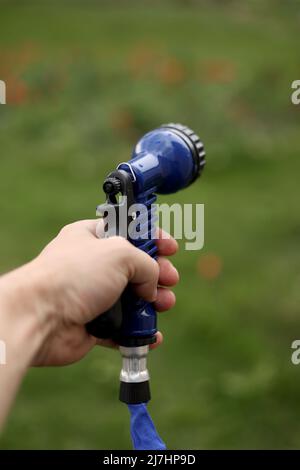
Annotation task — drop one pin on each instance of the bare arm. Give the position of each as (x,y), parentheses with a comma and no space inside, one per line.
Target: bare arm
(45,304)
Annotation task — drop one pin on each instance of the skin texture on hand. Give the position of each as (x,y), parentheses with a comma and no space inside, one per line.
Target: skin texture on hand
(92,275)
(77,277)
(45,305)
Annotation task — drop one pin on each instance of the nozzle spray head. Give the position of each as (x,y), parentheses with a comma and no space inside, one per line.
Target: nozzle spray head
(166,159)
(134,377)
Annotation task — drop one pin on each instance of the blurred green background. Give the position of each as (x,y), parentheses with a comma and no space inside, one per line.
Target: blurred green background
(85,80)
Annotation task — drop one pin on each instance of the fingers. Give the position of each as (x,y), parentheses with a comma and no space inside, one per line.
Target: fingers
(168,274)
(166,244)
(143,273)
(141,270)
(165,300)
(159,340)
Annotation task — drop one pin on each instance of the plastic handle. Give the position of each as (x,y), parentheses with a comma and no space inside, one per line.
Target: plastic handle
(109,323)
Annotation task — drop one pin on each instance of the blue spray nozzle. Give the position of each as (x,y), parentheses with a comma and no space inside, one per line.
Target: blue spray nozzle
(166,159)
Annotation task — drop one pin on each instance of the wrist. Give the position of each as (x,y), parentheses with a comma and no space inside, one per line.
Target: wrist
(27,317)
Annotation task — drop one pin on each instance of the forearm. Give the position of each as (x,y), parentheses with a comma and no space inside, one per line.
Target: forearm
(25,321)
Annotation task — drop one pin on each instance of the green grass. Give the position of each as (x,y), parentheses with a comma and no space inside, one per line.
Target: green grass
(87,81)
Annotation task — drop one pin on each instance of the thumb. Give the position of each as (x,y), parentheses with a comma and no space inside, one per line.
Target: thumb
(142,273)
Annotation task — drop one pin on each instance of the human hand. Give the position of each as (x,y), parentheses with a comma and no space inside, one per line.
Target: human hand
(82,276)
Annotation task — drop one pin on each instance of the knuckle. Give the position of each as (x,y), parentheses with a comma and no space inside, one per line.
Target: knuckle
(65,229)
(120,243)
(71,227)
(122,248)
(78,225)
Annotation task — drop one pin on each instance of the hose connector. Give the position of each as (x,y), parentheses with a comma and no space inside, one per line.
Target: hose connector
(134,377)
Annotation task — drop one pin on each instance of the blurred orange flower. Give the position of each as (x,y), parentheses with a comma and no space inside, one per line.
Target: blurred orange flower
(210,266)
(217,71)
(141,61)
(17,60)
(240,110)
(171,72)
(122,121)
(17,90)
